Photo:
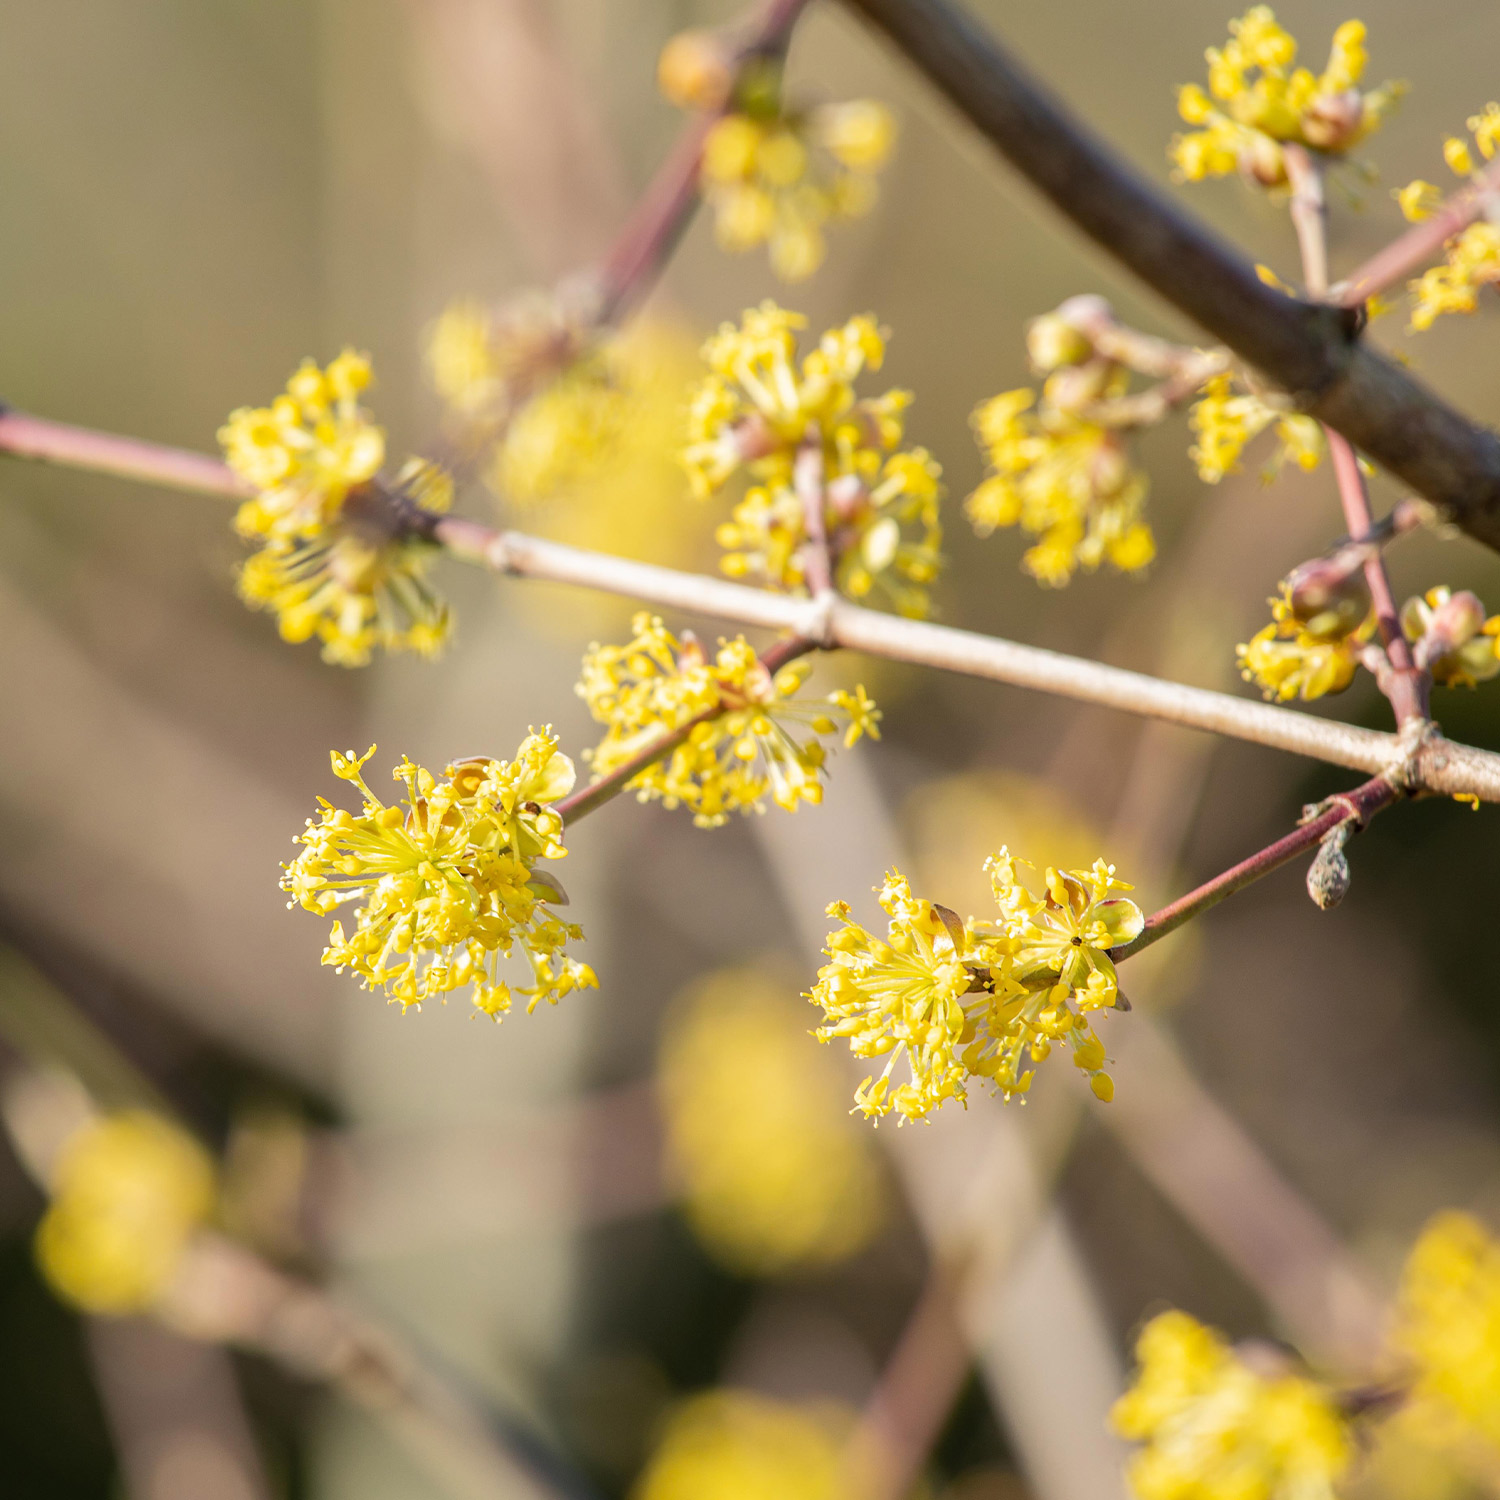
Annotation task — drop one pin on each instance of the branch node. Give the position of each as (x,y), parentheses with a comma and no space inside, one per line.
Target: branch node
(816,624)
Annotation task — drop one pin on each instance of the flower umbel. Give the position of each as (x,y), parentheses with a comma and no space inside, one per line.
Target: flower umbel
(334,564)
(1451,637)
(1311,648)
(774,1174)
(1267,102)
(1472,256)
(1068,480)
(1215,1428)
(737,1445)
(1448,1324)
(778,177)
(743,752)
(976,999)
(447,882)
(758,410)
(1224,421)
(127,1193)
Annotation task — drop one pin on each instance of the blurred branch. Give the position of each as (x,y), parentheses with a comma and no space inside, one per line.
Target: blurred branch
(174,1410)
(1437,764)
(1310,349)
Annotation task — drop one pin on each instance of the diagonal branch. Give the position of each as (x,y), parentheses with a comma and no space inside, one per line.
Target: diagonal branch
(1312,350)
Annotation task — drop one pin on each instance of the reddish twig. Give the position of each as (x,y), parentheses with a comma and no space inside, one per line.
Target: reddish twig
(1405,685)
(1357,806)
(1421,242)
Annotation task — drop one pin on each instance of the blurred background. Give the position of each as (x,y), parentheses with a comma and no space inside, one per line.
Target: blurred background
(197,197)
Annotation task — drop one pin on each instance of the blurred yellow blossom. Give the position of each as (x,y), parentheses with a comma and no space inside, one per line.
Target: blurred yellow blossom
(773,1174)
(1309,650)
(757,411)
(1451,636)
(1267,102)
(1225,421)
(778,178)
(1069,481)
(355,587)
(128,1191)
(333,565)
(976,999)
(1448,1325)
(737,1445)
(448,882)
(1472,256)
(735,759)
(1214,1428)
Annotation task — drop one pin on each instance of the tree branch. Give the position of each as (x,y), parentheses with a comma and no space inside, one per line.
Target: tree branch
(1310,349)
(1439,765)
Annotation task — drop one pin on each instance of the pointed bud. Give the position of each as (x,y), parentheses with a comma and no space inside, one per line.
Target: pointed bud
(1328,875)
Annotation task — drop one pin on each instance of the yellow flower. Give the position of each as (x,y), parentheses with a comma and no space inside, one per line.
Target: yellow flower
(354,587)
(1069,481)
(1309,652)
(736,1445)
(484,362)
(960,1000)
(331,562)
(773,1175)
(779,179)
(1418,200)
(1448,1325)
(1452,638)
(128,1192)
(448,883)
(1225,422)
(306,451)
(1214,1428)
(741,755)
(1267,102)
(757,410)
(1473,262)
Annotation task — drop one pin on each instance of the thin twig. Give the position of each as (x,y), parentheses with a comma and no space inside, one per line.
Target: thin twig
(1421,242)
(1311,350)
(1357,806)
(1405,684)
(1442,766)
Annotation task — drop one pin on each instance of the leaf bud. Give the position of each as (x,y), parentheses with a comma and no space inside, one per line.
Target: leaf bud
(1328,875)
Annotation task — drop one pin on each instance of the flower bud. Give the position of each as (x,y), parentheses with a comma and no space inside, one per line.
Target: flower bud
(1328,596)
(1052,343)
(1261,160)
(1334,121)
(693,71)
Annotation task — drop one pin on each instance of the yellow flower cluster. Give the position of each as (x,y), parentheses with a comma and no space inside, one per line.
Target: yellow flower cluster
(1067,480)
(773,1174)
(1473,255)
(779,179)
(737,1445)
(1225,421)
(1448,1325)
(128,1191)
(742,752)
(447,882)
(329,566)
(1452,638)
(1312,647)
(1214,1428)
(758,412)
(1259,102)
(976,999)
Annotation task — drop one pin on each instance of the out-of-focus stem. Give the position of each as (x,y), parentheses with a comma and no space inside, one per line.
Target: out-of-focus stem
(1421,242)
(1405,685)
(1358,806)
